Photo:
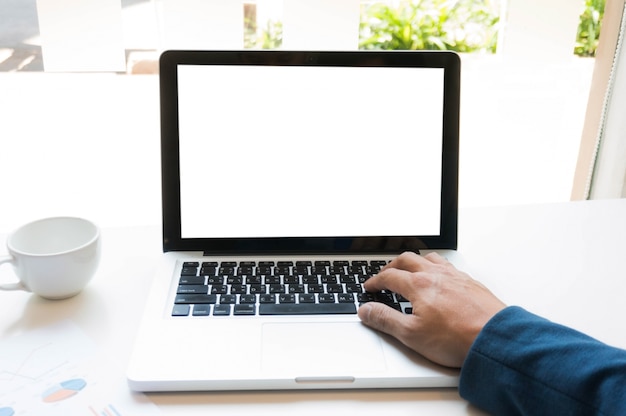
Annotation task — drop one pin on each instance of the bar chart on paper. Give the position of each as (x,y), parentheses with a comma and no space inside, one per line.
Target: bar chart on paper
(110,410)
(57,371)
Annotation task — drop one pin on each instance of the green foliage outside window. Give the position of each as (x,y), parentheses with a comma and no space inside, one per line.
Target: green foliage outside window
(270,37)
(458,25)
(589,28)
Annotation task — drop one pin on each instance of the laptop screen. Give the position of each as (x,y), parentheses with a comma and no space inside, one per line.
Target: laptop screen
(308,149)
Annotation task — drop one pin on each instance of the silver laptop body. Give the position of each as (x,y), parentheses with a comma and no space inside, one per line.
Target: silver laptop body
(318,165)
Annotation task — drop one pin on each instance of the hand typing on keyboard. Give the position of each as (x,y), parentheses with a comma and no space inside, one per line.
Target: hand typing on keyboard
(244,288)
(449,307)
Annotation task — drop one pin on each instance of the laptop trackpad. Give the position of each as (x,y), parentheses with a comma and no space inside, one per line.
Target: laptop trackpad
(321,349)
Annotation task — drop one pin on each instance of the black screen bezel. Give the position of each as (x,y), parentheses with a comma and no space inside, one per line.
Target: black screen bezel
(170,163)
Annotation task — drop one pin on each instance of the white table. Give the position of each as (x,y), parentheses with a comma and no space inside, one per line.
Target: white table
(563,261)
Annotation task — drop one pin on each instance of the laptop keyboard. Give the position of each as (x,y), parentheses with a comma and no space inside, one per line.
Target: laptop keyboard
(278,288)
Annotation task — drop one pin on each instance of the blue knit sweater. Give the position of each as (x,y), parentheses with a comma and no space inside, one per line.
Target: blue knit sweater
(521,364)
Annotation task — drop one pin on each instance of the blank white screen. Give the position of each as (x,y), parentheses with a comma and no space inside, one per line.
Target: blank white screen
(309,151)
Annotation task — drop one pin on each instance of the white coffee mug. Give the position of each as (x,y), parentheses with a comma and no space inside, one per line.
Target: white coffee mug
(54,257)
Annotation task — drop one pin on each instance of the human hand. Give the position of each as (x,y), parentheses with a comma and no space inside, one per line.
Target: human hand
(449,307)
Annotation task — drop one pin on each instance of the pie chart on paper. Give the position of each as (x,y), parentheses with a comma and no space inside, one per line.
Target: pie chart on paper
(63,390)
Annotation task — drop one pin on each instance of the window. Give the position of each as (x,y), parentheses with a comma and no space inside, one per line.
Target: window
(523,105)
(103,35)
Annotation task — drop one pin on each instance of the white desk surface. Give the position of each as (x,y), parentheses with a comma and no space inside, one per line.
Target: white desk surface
(563,261)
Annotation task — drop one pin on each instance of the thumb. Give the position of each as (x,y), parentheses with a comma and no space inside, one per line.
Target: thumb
(382,318)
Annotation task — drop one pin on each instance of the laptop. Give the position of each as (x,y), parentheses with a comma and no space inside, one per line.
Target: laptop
(289,178)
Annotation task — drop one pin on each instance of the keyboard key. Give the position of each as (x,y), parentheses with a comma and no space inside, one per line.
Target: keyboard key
(277,288)
(253,280)
(228,299)
(302,269)
(219,289)
(189,271)
(282,270)
(201,310)
(208,271)
(181,310)
(291,280)
(215,280)
(306,298)
(310,279)
(244,271)
(226,271)
(246,309)
(295,288)
(263,271)
(334,288)
(238,289)
(272,280)
(192,289)
(331,279)
(326,298)
(189,299)
(318,270)
(354,288)
(234,280)
(371,270)
(316,288)
(347,279)
(355,269)
(221,310)
(267,298)
(345,298)
(258,289)
(306,309)
(337,270)
(191,280)
(384,297)
(286,298)
(247,299)
(365,297)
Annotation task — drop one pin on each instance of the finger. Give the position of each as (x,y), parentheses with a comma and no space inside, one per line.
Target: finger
(396,280)
(385,319)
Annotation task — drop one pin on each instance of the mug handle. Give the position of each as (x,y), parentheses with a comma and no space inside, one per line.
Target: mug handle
(10,286)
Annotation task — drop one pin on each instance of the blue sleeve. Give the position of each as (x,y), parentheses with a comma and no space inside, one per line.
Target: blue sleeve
(521,364)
